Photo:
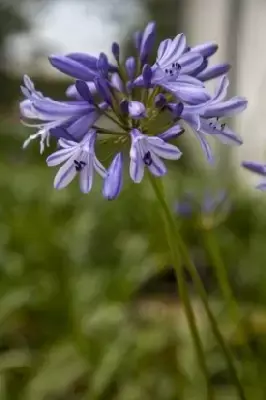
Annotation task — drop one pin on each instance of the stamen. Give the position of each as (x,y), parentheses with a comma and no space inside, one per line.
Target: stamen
(79,165)
(147,158)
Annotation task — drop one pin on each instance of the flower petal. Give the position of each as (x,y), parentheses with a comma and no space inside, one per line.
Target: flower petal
(163,149)
(171,51)
(190,61)
(147,41)
(61,156)
(99,168)
(113,181)
(256,167)
(205,49)
(226,108)
(79,127)
(172,132)
(213,72)
(221,90)
(205,147)
(136,170)
(72,67)
(66,174)
(224,134)
(72,90)
(86,175)
(86,59)
(157,167)
(136,109)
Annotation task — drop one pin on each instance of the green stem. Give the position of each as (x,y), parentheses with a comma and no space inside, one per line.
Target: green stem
(216,259)
(221,273)
(216,331)
(182,288)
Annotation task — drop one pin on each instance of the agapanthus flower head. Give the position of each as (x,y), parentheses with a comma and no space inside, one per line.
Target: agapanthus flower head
(257,168)
(131,93)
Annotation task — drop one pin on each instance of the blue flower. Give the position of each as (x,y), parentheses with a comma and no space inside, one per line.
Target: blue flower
(148,151)
(133,94)
(205,118)
(113,180)
(257,168)
(207,206)
(77,158)
(78,116)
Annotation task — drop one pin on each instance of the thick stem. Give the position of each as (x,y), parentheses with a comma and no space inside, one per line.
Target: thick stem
(182,288)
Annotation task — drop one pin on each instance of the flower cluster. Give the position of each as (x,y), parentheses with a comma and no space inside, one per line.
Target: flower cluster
(131,94)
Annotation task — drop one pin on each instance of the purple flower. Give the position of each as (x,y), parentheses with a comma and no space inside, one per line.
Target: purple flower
(207,205)
(204,118)
(78,115)
(77,158)
(171,86)
(257,168)
(113,179)
(172,70)
(148,151)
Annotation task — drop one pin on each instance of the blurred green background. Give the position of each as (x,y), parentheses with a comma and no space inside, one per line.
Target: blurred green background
(88,301)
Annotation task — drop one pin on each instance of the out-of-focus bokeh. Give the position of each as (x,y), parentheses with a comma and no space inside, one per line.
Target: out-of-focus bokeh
(88,303)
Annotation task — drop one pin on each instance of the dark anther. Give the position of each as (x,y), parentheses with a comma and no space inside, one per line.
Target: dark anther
(173,65)
(79,165)
(223,126)
(147,158)
(166,70)
(178,66)
(171,72)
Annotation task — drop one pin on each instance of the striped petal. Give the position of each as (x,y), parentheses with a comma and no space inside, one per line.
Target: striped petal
(205,147)
(256,167)
(66,174)
(213,72)
(86,175)
(163,149)
(72,67)
(61,156)
(221,90)
(172,51)
(226,108)
(113,181)
(189,62)
(157,167)
(172,132)
(205,49)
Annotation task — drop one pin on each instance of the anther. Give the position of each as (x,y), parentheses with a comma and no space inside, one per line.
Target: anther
(79,165)
(147,158)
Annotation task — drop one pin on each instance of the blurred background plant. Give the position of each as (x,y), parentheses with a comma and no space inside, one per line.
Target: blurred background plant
(88,304)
